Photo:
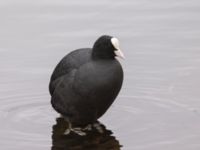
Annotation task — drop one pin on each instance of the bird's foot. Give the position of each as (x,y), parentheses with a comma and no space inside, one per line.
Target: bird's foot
(98,127)
(88,127)
(78,130)
(83,131)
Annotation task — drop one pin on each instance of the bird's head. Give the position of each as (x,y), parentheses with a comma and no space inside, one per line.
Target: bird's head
(106,47)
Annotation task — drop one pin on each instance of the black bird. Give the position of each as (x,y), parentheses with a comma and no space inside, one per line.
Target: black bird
(86,81)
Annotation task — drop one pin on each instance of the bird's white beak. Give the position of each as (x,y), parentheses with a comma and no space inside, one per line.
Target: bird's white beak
(118,52)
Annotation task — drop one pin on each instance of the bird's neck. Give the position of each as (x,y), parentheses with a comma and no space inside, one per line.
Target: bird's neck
(102,54)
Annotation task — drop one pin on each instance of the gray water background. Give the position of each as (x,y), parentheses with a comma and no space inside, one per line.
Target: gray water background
(158,107)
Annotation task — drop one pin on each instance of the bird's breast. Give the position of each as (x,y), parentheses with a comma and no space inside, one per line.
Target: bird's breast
(98,78)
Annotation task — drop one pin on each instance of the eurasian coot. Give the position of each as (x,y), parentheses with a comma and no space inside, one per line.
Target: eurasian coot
(86,81)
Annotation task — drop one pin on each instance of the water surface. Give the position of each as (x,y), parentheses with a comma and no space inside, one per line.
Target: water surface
(158,107)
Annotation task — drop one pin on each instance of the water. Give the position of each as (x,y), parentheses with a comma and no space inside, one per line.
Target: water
(158,107)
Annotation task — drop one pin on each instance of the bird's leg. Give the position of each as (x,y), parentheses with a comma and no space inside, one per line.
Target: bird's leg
(69,129)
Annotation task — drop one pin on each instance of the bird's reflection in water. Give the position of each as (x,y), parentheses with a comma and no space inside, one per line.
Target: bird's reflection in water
(93,140)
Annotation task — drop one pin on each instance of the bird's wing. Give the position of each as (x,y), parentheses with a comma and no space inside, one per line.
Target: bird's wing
(70,62)
(69,103)
(62,91)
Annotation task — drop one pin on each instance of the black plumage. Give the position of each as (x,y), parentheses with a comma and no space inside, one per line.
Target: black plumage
(86,82)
